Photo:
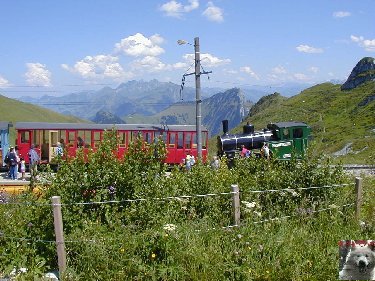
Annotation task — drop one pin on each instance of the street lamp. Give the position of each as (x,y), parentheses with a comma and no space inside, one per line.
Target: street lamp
(197,92)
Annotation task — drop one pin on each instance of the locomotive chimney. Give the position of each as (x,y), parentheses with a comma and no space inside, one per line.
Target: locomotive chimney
(225,127)
(248,129)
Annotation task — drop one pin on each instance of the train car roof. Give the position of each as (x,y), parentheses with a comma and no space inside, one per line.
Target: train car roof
(92,126)
(289,124)
(5,125)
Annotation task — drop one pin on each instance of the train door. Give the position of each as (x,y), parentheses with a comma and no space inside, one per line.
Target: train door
(172,148)
(53,138)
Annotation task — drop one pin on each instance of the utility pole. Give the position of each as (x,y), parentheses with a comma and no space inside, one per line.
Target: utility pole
(198,107)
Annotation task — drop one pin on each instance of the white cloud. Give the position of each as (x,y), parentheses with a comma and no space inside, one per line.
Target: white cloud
(4,82)
(341,14)
(308,49)
(300,76)
(279,70)
(98,67)
(139,45)
(180,65)
(368,45)
(194,4)
(248,70)
(230,71)
(176,9)
(150,64)
(38,75)
(213,13)
(314,69)
(207,60)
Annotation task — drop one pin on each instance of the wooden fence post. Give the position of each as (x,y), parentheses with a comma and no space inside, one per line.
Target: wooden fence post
(60,244)
(358,191)
(236,204)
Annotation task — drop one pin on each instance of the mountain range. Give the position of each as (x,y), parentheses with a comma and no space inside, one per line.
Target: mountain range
(160,102)
(341,114)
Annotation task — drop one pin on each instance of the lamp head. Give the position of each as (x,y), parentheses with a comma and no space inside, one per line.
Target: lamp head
(181,42)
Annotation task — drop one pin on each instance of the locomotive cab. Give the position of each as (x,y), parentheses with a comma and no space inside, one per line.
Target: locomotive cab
(289,137)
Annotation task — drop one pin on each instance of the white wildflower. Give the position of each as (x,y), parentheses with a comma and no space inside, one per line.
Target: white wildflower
(249,205)
(259,214)
(169,227)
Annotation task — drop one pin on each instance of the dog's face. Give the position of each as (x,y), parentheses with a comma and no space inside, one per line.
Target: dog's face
(362,258)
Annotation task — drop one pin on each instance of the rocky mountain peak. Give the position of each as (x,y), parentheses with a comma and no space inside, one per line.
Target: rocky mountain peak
(364,71)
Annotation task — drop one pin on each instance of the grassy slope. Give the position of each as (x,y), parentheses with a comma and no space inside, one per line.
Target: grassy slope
(335,117)
(16,111)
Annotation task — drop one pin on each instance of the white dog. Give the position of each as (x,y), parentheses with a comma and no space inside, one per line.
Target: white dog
(359,261)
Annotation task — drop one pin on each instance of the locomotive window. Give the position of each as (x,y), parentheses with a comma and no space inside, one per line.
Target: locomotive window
(286,133)
(25,137)
(297,133)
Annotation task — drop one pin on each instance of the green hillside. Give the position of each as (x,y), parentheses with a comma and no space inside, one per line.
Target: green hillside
(15,111)
(338,118)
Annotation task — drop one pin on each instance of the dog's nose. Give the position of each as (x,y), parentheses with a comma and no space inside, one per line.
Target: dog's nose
(362,264)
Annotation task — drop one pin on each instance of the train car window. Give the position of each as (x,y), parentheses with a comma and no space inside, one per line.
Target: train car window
(194,140)
(286,133)
(148,137)
(62,134)
(162,136)
(87,138)
(204,140)
(36,137)
(134,135)
(180,139)
(122,139)
(172,140)
(188,140)
(25,137)
(297,133)
(80,138)
(71,138)
(96,137)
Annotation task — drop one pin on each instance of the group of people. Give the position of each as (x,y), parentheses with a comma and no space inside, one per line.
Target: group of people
(16,163)
(264,151)
(188,162)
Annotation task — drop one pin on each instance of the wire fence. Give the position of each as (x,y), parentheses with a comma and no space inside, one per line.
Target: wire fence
(235,193)
(180,197)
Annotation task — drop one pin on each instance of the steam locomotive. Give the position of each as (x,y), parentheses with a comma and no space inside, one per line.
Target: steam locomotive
(283,139)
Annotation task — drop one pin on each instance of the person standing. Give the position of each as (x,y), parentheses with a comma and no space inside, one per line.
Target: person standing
(215,164)
(33,161)
(13,162)
(266,151)
(59,150)
(23,169)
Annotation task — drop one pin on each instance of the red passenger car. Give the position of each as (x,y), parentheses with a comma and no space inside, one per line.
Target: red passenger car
(179,139)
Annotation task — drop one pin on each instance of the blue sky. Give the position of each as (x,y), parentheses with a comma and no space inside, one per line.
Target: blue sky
(59,47)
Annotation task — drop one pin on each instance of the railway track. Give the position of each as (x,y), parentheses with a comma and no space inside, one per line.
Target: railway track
(357,170)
